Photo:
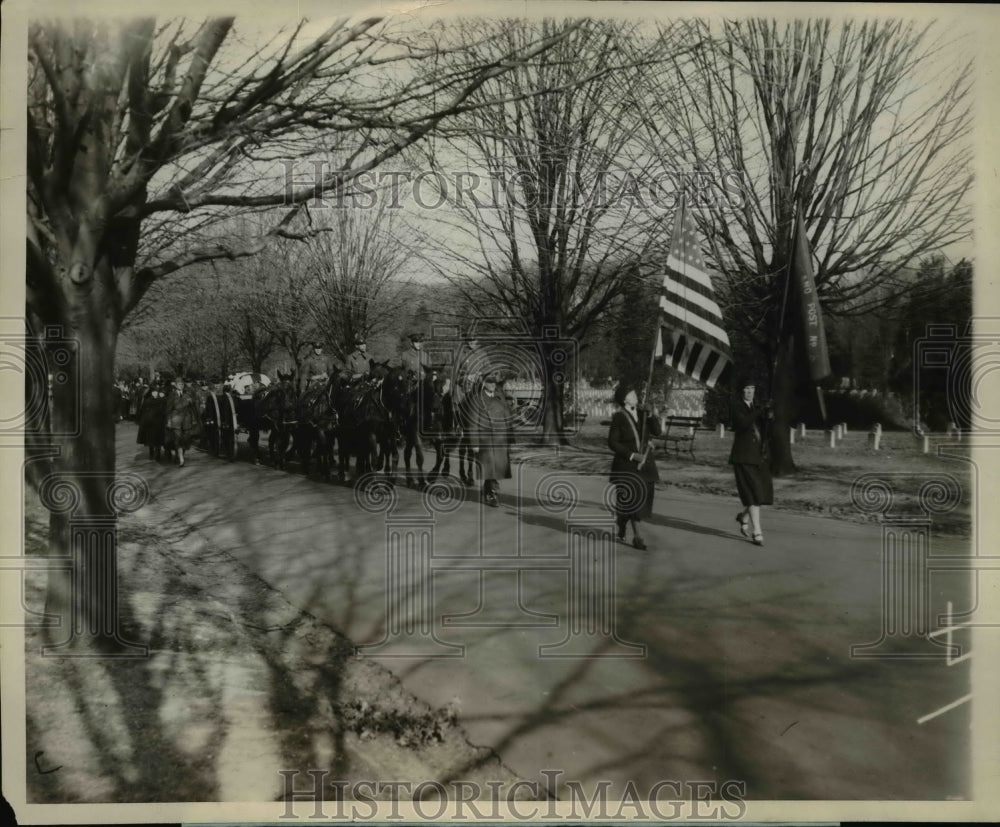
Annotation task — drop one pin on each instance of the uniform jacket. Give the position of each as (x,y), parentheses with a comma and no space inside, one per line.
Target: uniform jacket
(357,363)
(416,360)
(627,436)
(313,366)
(748,429)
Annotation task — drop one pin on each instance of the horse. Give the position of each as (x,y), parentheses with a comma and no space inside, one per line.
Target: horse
(460,412)
(273,409)
(318,429)
(361,415)
(442,426)
(408,406)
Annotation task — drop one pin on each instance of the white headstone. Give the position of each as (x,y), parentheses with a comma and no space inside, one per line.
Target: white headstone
(831,439)
(720,429)
(875,437)
(802,430)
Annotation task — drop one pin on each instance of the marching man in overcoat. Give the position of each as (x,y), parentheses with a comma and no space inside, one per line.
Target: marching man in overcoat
(490,437)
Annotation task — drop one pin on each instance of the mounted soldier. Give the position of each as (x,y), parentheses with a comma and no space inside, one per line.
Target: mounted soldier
(315,369)
(415,358)
(358,363)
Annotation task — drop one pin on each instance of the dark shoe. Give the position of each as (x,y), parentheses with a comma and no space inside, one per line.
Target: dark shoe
(744,525)
(639,544)
(621,535)
(491,500)
(758,539)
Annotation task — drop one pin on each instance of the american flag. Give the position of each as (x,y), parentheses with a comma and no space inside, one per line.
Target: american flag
(690,338)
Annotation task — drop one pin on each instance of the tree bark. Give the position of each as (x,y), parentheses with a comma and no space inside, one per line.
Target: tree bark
(555,374)
(81,488)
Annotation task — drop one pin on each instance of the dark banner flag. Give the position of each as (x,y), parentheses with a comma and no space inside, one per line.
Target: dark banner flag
(813,332)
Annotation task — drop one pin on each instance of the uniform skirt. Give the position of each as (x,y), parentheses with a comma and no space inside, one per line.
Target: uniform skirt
(753,483)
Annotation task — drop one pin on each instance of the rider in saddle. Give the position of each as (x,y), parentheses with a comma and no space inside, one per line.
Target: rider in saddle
(357,364)
(415,358)
(314,369)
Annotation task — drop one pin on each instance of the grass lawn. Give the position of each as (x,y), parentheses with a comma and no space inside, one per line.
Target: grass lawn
(824,477)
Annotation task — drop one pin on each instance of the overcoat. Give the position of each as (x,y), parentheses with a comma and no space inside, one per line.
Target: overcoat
(183,419)
(627,436)
(490,433)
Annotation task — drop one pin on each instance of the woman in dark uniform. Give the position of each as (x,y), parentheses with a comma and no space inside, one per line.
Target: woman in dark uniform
(633,470)
(749,459)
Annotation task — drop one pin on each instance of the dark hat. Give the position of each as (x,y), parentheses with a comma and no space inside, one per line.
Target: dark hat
(490,379)
(359,339)
(416,337)
(317,345)
(743,380)
(621,392)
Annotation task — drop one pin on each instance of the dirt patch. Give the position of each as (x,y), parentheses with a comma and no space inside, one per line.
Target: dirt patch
(238,686)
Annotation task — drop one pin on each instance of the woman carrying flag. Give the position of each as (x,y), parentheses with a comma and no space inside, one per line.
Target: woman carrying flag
(633,469)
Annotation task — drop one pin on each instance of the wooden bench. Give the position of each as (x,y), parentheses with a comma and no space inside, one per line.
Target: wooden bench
(680,430)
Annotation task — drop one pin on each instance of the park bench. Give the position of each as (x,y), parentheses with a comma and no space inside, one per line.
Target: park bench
(680,430)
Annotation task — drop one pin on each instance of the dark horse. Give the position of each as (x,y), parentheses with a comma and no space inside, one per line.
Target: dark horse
(453,426)
(423,410)
(274,410)
(363,418)
(443,428)
(318,427)
(402,396)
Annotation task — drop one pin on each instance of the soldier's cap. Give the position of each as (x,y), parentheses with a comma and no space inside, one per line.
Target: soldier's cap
(359,339)
(490,379)
(317,345)
(415,336)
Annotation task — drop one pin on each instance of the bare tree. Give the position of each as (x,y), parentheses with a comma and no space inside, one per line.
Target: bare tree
(142,137)
(354,270)
(863,126)
(556,226)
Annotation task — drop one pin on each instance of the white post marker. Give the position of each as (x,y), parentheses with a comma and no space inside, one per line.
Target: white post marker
(831,438)
(802,430)
(720,429)
(791,436)
(926,444)
(875,436)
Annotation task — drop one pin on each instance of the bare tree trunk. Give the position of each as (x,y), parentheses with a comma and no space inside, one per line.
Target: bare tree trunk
(81,491)
(552,401)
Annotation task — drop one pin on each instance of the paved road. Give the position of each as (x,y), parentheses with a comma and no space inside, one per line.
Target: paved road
(703,658)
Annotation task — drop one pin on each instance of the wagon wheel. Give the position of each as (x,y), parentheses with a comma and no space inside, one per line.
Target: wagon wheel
(227,429)
(213,429)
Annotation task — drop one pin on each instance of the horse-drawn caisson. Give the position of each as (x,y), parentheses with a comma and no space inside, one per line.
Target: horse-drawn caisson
(341,417)
(233,411)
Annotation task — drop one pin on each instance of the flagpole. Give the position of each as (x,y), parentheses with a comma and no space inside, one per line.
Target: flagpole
(784,307)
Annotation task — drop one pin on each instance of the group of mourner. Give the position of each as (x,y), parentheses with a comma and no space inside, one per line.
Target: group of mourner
(369,410)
